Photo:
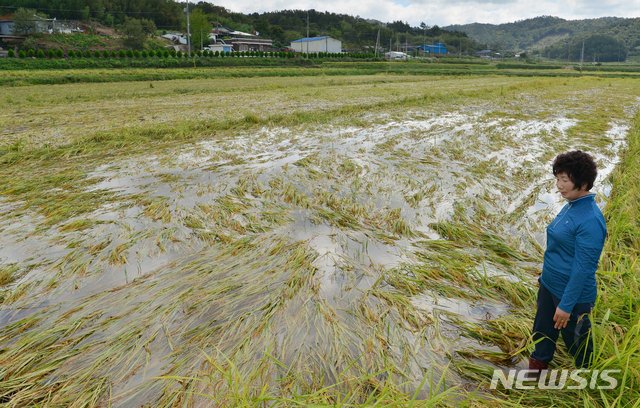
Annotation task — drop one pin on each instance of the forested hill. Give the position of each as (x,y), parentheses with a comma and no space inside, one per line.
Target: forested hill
(358,34)
(547,33)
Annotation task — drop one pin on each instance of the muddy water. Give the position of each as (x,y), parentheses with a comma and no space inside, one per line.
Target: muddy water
(189,256)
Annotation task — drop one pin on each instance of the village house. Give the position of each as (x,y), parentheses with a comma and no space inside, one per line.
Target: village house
(317,44)
(250,44)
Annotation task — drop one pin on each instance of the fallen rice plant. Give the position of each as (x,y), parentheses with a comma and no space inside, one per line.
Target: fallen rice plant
(316,262)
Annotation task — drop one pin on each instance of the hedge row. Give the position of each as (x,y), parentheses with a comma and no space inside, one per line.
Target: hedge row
(177,54)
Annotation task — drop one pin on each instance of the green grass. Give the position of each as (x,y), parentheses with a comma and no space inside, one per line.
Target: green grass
(22,72)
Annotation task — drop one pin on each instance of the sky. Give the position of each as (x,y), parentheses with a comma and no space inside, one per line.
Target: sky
(447,12)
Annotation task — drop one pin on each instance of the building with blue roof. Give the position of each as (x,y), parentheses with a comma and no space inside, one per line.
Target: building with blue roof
(437,48)
(317,44)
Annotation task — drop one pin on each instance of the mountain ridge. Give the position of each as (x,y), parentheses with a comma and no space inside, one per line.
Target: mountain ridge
(545,33)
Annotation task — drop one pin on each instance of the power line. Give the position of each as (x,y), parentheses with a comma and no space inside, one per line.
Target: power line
(88,11)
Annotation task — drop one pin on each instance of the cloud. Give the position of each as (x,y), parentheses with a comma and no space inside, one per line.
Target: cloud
(444,12)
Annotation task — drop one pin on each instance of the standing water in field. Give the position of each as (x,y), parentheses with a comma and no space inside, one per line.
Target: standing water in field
(313,256)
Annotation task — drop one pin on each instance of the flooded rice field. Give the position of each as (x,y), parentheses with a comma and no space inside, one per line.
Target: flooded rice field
(329,258)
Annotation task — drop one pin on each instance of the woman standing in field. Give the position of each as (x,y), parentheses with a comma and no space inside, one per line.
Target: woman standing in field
(575,239)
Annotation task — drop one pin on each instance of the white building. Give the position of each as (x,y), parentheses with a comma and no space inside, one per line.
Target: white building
(318,44)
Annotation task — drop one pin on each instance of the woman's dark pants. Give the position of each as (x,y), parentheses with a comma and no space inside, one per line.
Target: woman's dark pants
(576,335)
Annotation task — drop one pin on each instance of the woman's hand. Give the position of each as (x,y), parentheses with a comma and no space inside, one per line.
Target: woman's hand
(561,318)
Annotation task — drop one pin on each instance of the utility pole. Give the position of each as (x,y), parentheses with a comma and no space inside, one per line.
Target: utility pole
(424,41)
(390,45)
(398,42)
(569,54)
(581,56)
(188,31)
(406,45)
(307,34)
(378,43)
(201,39)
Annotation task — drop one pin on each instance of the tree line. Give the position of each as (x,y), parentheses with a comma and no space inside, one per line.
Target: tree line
(357,34)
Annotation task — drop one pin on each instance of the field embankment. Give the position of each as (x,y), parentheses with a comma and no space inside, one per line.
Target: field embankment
(17,72)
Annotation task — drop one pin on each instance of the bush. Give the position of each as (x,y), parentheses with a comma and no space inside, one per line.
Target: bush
(217,54)
(21,54)
(179,54)
(129,53)
(193,53)
(51,54)
(41,53)
(11,54)
(59,53)
(228,53)
(78,54)
(144,54)
(114,54)
(105,54)
(121,54)
(31,53)
(173,53)
(165,54)
(152,53)
(97,54)
(87,54)
(136,54)
(205,53)
(199,53)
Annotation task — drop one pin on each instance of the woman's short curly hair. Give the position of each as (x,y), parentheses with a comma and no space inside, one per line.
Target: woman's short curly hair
(579,166)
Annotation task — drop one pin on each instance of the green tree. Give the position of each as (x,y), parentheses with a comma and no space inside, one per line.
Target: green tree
(200,28)
(136,31)
(25,21)
(148,26)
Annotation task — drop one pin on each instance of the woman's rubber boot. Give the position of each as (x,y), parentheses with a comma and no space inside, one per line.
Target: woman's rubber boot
(535,369)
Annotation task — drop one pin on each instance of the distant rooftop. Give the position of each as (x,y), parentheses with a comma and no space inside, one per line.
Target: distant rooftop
(310,39)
